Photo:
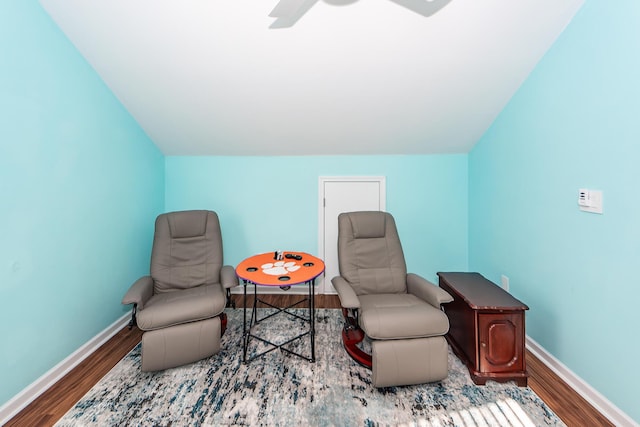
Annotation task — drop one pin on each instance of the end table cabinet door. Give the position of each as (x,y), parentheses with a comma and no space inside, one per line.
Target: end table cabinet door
(501,342)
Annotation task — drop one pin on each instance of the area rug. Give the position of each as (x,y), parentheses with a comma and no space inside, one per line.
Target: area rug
(280,389)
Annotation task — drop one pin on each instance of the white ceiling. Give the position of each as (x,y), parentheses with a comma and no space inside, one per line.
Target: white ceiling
(222,77)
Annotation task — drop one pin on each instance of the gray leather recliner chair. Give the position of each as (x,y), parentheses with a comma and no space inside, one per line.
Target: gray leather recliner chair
(399,313)
(180,305)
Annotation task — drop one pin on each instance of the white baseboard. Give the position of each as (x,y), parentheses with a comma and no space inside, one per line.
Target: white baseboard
(39,386)
(591,395)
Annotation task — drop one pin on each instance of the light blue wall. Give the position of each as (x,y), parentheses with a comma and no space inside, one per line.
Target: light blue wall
(265,203)
(573,124)
(80,185)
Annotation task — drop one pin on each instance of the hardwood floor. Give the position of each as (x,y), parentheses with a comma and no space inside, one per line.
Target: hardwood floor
(55,402)
(50,406)
(572,408)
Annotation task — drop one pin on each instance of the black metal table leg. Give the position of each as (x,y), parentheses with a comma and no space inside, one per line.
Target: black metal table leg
(312,318)
(248,271)
(245,336)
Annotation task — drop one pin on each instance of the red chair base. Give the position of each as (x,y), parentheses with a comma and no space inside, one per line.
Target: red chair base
(223,323)
(352,335)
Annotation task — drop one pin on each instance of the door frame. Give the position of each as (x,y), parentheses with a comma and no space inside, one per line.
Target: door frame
(321,287)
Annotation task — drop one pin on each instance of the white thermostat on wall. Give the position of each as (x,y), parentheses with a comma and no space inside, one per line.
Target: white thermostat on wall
(590,200)
(583,197)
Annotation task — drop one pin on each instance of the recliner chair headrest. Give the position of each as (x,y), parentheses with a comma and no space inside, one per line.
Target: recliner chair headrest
(187,224)
(368,225)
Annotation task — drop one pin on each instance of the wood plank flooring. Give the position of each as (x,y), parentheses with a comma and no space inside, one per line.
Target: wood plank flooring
(572,408)
(51,405)
(55,402)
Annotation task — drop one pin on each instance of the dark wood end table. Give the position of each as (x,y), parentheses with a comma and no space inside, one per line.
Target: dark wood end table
(487,328)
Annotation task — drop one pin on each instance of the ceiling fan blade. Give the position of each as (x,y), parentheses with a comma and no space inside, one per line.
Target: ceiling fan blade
(288,12)
(423,7)
(285,8)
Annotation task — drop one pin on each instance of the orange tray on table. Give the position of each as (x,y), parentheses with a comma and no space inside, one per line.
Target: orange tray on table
(265,270)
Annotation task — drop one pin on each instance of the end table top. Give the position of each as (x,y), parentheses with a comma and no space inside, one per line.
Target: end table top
(295,268)
(480,293)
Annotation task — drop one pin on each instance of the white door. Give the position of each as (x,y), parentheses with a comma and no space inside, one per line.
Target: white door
(337,195)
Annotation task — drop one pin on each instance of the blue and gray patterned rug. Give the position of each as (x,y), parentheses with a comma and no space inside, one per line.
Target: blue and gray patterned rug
(283,390)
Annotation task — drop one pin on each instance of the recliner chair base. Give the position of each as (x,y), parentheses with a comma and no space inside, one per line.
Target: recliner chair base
(181,344)
(398,362)
(409,361)
(352,335)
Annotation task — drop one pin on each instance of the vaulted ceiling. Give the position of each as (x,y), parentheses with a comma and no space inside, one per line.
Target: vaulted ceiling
(223,77)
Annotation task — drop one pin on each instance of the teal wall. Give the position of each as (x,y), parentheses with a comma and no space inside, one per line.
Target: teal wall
(573,124)
(265,203)
(80,186)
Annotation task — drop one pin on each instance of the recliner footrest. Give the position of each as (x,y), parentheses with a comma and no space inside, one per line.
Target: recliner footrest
(180,344)
(409,361)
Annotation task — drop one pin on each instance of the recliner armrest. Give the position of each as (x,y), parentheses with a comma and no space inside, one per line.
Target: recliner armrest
(427,291)
(140,292)
(228,277)
(348,297)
